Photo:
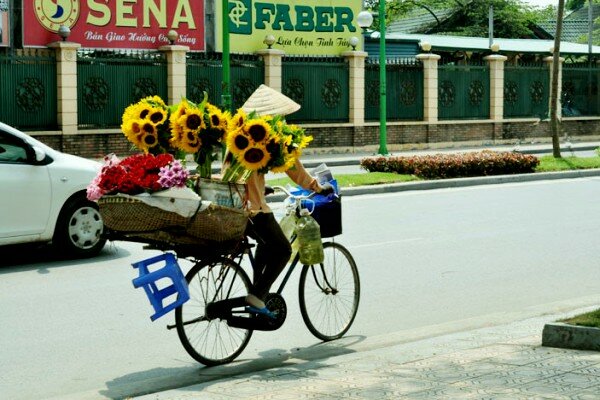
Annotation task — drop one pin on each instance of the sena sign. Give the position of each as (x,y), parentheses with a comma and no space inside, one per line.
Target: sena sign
(122,24)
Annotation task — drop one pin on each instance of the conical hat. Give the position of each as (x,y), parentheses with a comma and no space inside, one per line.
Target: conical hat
(267,101)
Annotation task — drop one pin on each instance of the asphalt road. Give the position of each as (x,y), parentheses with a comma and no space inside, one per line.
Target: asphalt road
(79,330)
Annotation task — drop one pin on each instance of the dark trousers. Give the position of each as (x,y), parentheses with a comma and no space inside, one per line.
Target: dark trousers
(273,251)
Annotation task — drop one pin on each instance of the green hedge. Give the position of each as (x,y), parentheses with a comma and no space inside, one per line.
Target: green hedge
(440,166)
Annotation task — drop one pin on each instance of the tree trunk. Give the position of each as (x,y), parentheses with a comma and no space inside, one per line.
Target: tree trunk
(554,122)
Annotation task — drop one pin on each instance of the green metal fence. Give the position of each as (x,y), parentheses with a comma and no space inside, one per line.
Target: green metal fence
(28,91)
(108,82)
(404,90)
(320,85)
(463,91)
(526,90)
(580,90)
(205,74)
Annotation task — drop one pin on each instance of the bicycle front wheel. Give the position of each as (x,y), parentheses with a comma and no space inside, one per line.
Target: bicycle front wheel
(329,293)
(211,341)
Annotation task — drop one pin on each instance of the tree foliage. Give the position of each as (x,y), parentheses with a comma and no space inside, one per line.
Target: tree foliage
(512,18)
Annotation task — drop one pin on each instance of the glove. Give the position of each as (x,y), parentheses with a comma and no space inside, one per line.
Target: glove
(326,188)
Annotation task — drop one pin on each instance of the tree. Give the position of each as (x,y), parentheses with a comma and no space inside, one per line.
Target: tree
(513,18)
(554,122)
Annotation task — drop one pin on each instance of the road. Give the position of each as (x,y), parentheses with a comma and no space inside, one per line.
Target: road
(79,330)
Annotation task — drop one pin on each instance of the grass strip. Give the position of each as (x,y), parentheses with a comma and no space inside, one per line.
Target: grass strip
(591,319)
(549,163)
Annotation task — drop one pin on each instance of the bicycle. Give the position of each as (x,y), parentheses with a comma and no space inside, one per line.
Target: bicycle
(214,326)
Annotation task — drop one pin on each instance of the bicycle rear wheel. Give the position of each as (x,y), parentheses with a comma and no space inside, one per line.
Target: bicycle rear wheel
(329,293)
(211,341)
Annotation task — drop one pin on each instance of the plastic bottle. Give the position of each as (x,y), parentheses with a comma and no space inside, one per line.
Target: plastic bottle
(309,239)
(288,224)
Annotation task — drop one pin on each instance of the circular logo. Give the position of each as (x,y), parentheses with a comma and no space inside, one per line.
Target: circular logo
(53,13)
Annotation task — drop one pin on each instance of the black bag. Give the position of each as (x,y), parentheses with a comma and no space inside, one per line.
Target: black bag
(329,217)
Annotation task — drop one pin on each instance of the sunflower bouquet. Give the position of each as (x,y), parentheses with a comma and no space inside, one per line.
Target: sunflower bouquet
(185,128)
(145,125)
(199,129)
(262,144)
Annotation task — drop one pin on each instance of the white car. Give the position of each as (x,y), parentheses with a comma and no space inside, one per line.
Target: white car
(43,196)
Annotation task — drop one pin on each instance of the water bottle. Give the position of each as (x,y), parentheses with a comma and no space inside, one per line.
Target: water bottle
(288,225)
(309,239)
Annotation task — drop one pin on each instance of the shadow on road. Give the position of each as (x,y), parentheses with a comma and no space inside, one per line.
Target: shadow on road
(296,360)
(42,257)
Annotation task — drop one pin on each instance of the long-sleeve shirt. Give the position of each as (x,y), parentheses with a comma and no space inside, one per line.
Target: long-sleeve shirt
(255,186)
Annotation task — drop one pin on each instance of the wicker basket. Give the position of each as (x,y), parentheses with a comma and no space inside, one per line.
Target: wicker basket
(132,216)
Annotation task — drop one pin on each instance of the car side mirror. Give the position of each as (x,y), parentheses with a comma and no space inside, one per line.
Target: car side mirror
(40,155)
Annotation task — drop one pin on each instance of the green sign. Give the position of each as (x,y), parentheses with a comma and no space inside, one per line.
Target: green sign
(308,27)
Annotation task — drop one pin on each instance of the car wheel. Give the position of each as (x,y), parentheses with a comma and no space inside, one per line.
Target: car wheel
(79,229)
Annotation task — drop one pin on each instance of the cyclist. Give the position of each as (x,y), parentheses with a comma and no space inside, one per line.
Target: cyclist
(273,249)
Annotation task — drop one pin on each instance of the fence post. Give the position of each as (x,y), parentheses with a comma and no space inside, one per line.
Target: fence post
(176,71)
(66,85)
(430,86)
(496,64)
(548,61)
(356,61)
(273,74)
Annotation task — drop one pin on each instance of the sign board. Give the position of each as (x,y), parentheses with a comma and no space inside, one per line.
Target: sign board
(4,24)
(114,24)
(307,27)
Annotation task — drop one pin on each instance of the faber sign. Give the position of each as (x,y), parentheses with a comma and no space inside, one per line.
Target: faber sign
(122,24)
(299,27)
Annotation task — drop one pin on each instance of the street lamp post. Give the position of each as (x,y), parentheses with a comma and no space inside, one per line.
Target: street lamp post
(382,82)
(364,20)
(225,89)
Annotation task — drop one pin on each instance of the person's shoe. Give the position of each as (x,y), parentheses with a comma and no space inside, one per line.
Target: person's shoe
(261,311)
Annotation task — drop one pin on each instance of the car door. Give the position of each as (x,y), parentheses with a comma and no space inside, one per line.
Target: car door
(25,191)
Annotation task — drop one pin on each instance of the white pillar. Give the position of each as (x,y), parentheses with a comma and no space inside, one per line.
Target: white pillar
(66,82)
(273,74)
(430,86)
(496,64)
(176,71)
(356,61)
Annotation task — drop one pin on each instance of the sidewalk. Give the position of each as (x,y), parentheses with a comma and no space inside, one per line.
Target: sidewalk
(500,362)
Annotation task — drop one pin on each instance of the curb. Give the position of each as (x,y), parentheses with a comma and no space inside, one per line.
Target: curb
(567,336)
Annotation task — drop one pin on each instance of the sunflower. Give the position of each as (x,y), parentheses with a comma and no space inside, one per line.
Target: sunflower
(217,118)
(131,127)
(190,142)
(237,142)
(238,120)
(156,101)
(258,129)
(148,136)
(157,115)
(192,120)
(254,158)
